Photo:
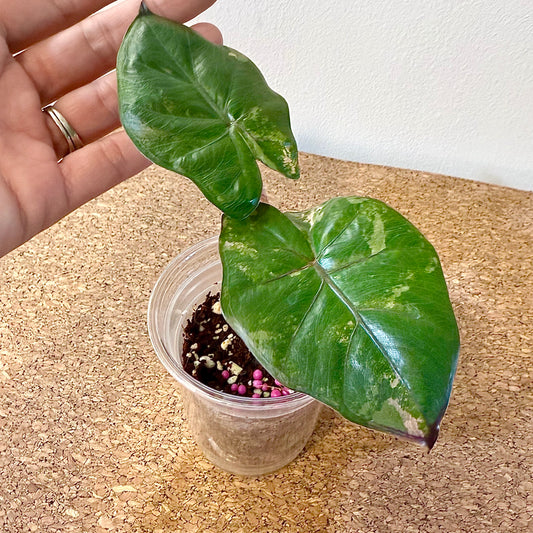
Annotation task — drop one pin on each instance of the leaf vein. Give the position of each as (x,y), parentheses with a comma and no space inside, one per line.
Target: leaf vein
(324,275)
(305,315)
(193,80)
(336,238)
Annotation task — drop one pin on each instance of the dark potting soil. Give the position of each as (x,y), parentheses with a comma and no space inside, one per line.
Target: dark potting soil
(215,355)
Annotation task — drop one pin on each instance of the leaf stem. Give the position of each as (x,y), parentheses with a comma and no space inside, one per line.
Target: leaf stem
(143,9)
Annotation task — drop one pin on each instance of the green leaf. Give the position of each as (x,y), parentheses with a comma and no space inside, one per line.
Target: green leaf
(202,110)
(346,302)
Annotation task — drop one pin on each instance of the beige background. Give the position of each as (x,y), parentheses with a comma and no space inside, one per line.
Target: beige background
(440,85)
(91,430)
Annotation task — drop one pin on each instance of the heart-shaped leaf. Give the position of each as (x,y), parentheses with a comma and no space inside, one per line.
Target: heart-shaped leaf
(202,110)
(346,302)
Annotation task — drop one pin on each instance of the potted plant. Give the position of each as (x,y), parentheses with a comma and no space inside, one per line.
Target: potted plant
(241,434)
(345,302)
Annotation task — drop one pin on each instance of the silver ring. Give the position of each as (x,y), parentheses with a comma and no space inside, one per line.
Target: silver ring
(73,139)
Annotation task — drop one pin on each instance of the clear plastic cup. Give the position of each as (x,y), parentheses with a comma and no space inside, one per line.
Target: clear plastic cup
(248,436)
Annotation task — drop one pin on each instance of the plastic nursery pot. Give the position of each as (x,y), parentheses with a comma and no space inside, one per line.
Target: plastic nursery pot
(248,436)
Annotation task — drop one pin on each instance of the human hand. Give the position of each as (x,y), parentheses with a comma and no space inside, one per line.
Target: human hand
(55,52)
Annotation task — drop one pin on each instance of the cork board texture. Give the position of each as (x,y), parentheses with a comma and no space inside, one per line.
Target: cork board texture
(92,435)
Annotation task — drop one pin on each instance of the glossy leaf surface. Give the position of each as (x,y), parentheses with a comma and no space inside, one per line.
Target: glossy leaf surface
(346,302)
(202,110)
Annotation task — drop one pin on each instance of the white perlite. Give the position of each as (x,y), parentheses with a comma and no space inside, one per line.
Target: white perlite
(225,344)
(209,363)
(235,369)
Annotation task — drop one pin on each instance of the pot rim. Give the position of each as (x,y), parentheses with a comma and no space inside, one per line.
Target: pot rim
(185,260)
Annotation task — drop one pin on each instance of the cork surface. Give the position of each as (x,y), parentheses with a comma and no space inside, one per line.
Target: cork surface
(92,435)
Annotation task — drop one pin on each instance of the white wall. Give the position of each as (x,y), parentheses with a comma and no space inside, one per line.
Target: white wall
(436,85)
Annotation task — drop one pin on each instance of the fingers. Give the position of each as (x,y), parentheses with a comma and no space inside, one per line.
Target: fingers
(92,110)
(208,31)
(87,50)
(102,164)
(95,168)
(181,10)
(30,21)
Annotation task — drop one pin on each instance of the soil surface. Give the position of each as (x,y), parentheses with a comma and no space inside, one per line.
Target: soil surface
(215,355)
